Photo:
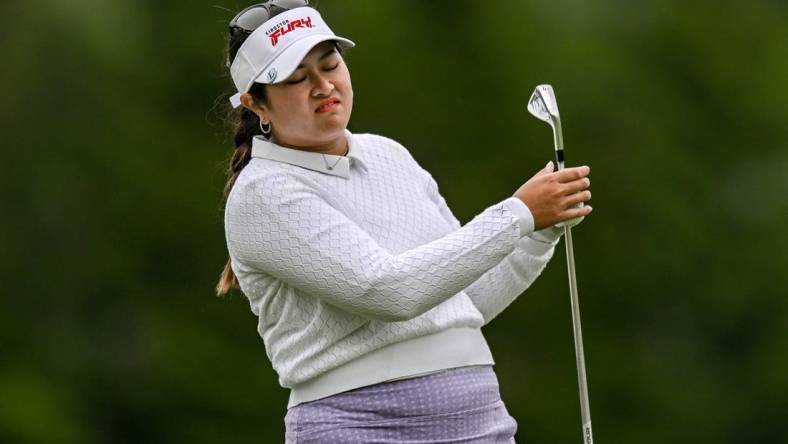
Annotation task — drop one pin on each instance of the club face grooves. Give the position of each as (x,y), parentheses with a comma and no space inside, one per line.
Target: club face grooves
(544,107)
(537,107)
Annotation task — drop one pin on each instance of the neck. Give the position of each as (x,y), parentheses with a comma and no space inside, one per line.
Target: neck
(336,147)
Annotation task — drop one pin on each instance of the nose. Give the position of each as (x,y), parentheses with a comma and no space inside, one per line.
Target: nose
(322,86)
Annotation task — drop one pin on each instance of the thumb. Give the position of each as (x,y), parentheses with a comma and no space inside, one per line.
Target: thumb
(547,169)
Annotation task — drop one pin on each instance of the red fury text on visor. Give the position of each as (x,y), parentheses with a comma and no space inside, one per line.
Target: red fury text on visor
(287,26)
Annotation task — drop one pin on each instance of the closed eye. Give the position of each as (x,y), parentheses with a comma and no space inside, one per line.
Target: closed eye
(331,68)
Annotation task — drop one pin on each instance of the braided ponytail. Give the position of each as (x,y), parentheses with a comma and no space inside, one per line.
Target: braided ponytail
(246,126)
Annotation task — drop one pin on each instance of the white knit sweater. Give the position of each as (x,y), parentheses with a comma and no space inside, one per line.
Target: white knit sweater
(358,271)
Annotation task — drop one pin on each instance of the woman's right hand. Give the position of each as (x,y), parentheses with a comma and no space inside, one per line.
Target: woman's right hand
(552,196)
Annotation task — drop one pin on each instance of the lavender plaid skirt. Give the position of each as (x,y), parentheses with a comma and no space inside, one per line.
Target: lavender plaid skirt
(461,405)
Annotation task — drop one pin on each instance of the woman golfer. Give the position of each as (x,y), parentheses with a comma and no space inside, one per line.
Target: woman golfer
(370,294)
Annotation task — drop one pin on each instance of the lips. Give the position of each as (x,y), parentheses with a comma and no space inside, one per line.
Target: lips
(327,105)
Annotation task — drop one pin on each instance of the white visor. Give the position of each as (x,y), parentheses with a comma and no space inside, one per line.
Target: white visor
(273,51)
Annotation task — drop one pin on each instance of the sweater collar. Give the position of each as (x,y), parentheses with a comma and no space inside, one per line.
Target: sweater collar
(264,149)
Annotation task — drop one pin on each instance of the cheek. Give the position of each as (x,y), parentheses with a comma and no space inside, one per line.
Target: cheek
(345,85)
(286,104)
(345,78)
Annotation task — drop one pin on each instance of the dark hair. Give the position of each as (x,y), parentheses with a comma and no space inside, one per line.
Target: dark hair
(245,125)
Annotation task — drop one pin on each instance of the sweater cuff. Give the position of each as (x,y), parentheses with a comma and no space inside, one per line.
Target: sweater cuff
(549,235)
(540,242)
(523,213)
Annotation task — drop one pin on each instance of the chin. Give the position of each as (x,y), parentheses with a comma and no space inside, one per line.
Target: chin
(321,135)
(328,135)
(334,126)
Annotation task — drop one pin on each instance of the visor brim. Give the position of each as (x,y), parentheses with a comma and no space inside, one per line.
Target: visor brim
(288,61)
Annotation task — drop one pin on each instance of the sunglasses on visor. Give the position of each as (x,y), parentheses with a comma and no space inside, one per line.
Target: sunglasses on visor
(252,17)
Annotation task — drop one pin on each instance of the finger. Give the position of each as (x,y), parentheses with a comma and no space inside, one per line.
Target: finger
(576,198)
(576,185)
(570,174)
(547,169)
(572,213)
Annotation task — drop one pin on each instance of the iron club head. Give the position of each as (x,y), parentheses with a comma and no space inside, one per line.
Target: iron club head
(543,106)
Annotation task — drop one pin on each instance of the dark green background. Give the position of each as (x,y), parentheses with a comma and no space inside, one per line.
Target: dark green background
(111,236)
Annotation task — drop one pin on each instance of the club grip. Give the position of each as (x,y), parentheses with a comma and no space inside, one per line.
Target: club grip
(572,222)
(559,160)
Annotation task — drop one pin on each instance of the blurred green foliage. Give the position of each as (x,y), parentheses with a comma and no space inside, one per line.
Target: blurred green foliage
(111,235)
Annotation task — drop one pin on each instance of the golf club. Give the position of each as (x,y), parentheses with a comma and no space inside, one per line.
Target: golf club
(543,106)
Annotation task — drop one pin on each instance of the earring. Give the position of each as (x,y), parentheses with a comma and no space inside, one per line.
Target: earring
(265,129)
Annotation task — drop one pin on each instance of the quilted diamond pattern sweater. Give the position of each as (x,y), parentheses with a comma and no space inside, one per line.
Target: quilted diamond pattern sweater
(358,272)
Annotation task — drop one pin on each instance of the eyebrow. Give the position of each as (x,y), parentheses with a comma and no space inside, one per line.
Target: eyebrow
(328,53)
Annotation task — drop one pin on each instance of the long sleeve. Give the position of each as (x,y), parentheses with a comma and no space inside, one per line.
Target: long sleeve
(501,285)
(287,227)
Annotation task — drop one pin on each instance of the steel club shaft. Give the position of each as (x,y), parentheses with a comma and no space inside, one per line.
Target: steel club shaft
(544,106)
